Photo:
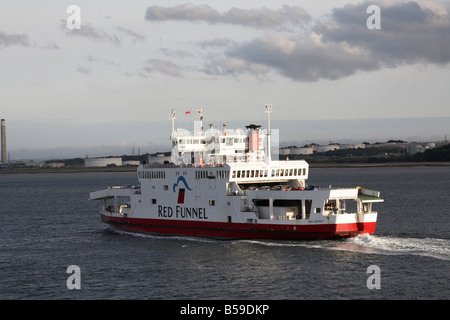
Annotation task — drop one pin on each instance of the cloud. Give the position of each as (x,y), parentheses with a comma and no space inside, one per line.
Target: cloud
(162,66)
(341,46)
(233,66)
(410,32)
(83,70)
(187,12)
(306,59)
(259,18)
(116,37)
(332,47)
(216,43)
(88,31)
(134,36)
(7,40)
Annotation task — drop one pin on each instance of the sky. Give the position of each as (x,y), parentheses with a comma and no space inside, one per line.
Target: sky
(110,85)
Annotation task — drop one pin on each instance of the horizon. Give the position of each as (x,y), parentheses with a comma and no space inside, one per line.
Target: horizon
(323,132)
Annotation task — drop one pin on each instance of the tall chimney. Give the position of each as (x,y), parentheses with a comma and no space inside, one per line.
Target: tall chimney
(4,153)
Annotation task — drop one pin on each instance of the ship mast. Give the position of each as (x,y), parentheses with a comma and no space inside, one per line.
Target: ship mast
(172,117)
(269,133)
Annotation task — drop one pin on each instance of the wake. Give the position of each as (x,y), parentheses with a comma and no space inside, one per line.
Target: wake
(368,244)
(371,244)
(158,237)
(427,247)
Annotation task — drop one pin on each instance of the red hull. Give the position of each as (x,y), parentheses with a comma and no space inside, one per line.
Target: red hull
(223,230)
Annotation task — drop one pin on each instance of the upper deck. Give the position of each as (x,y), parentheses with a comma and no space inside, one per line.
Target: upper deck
(243,171)
(216,146)
(243,155)
(273,171)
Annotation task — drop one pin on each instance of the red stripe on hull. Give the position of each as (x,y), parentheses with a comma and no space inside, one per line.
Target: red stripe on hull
(223,230)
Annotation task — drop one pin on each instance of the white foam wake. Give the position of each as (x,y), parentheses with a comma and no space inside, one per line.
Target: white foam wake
(371,244)
(429,247)
(161,237)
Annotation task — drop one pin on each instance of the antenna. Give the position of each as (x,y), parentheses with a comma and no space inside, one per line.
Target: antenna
(172,117)
(200,112)
(269,133)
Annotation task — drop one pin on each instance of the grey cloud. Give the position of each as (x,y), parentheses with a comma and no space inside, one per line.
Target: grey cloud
(260,18)
(116,38)
(306,59)
(183,12)
(179,54)
(410,33)
(162,66)
(88,31)
(83,70)
(7,40)
(134,36)
(266,18)
(330,48)
(234,67)
(216,43)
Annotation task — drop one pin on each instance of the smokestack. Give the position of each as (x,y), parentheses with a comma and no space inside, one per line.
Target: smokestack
(4,153)
(253,138)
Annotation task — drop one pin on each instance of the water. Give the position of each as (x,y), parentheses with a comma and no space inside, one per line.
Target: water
(48,223)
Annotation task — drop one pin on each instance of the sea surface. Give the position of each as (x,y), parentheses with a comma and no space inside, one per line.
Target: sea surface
(47,224)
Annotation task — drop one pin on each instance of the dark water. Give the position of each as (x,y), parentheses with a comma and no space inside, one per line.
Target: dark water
(47,224)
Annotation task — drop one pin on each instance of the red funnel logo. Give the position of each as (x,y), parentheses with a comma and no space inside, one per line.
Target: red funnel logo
(181,195)
(181,191)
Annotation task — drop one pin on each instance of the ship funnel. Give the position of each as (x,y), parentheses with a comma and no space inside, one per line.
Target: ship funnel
(253,138)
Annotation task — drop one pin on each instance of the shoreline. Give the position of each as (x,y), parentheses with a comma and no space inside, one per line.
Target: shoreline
(67,170)
(381,164)
(133,168)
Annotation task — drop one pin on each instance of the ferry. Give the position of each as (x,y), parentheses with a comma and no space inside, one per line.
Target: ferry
(222,183)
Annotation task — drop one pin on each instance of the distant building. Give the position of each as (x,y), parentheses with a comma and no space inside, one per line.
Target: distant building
(55,165)
(159,159)
(352,146)
(330,147)
(102,162)
(131,163)
(304,150)
(296,151)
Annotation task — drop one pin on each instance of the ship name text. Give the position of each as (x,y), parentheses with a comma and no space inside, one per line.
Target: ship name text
(182,212)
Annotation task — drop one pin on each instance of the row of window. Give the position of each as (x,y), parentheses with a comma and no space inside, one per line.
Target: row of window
(293,172)
(152,175)
(223,174)
(211,202)
(227,141)
(204,174)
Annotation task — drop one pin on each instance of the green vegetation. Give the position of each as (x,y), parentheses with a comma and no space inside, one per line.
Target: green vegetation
(437,154)
(376,154)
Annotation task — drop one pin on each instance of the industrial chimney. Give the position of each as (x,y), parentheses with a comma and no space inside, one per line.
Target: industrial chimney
(3,142)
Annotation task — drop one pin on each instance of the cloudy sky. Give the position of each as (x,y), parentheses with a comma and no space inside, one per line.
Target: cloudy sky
(111,84)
